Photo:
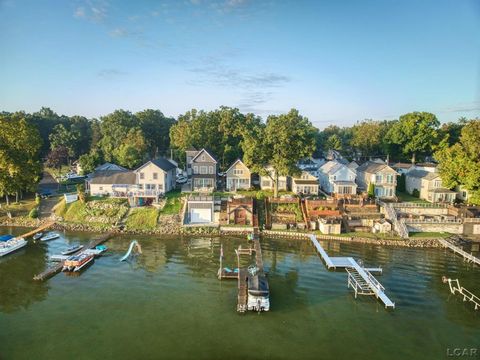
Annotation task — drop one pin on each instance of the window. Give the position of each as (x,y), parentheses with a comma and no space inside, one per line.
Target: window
(203,157)
(160,186)
(140,186)
(149,186)
(437,184)
(203,169)
(195,169)
(210,169)
(334,177)
(237,171)
(155,176)
(464,194)
(266,183)
(390,179)
(305,176)
(142,176)
(378,179)
(100,188)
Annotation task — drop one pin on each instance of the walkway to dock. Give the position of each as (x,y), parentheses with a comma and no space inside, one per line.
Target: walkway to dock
(466,256)
(360,278)
(242,290)
(37,230)
(58,267)
(467,295)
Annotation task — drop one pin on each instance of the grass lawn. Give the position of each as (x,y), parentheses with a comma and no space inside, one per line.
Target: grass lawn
(144,218)
(429,235)
(403,196)
(173,203)
(21,208)
(103,211)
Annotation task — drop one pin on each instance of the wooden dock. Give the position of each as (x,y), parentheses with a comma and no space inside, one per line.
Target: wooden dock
(242,290)
(51,271)
(466,256)
(37,230)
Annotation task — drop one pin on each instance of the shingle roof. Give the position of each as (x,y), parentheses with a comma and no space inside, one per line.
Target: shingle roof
(371,167)
(402,165)
(423,174)
(109,167)
(163,164)
(113,177)
(331,167)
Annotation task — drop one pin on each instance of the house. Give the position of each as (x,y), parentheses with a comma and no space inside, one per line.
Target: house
(379,174)
(426,166)
(190,154)
(381,226)
(403,168)
(429,186)
(266,181)
(337,178)
(306,183)
(240,211)
(204,169)
(352,165)
(141,186)
(200,210)
(238,176)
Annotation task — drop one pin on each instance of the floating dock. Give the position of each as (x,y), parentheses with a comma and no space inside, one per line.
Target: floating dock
(359,278)
(466,256)
(51,271)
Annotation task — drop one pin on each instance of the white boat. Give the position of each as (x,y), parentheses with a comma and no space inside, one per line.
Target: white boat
(72,249)
(50,236)
(77,262)
(258,293)
(7,247)
(37,236)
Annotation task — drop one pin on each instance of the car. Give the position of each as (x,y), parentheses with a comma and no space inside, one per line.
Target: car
(222,174)
(181,180)
(45,194)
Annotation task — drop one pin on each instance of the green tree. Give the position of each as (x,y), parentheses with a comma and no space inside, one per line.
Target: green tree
(334,143)
(416,133)
(459,164)
(131,152)
(371,190)
(368,137)
(156,129)
(88,162)
(283,141)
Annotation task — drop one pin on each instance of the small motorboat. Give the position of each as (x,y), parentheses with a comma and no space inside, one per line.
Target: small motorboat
(72,249)
(37,236)
(258,293)
(49,236)
(9,246)
(77,262)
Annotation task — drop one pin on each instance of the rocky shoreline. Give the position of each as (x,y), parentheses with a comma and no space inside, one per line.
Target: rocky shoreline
(171,226)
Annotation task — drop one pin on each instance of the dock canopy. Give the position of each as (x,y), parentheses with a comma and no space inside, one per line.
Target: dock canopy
(6,237)
(258,285)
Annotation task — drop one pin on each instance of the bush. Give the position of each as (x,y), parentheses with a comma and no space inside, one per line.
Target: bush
(33,213)
(38,199)
(371,190)
(81,193)
(416,193)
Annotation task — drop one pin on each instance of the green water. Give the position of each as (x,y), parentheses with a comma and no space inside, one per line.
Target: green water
(168,304)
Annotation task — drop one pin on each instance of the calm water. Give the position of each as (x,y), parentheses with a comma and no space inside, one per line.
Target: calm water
(168,304)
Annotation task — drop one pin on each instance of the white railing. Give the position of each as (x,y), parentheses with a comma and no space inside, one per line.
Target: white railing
(391,214)
(468,257)
(467,295)
(433,221)
(419,205)
(471,220)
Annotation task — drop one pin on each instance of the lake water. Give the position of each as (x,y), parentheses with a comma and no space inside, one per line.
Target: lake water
(168,304)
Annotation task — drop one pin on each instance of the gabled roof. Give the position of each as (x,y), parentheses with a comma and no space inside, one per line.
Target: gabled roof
(401,165)
(331,167)
(162,163)
(373,167)
(110,167)
(113,177)
(209,154)
(423,174)
(352,165)
(237,161)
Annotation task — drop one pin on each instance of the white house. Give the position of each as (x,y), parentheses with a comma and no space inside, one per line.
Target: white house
(306,183)
(337,178)
(266,182)
(429,186)
(382,176)
(238,176)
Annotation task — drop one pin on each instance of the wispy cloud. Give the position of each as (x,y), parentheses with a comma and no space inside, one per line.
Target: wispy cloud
(121,32)
(463,107)
(110,73)
(92,10)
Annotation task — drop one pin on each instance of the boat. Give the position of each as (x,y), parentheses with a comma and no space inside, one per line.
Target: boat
(9,246)
(72,249)
(77,262)
(258,293)
(49,236)
(37,236)
(6,237)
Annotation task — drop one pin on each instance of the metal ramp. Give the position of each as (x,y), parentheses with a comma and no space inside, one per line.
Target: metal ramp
(359,278)
(466,256)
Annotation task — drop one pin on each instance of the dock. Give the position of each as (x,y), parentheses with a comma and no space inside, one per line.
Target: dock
(466,256)
(42,227)
(242,291)
(360,278)
(467,295)
(51,271)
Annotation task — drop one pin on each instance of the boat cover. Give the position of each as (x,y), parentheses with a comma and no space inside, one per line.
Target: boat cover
(6,237)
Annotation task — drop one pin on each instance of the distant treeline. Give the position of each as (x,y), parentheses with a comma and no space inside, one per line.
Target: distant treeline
(128,139)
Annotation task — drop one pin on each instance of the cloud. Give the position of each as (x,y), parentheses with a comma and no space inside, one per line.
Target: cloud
(110,73)
(463,107)
(92,10)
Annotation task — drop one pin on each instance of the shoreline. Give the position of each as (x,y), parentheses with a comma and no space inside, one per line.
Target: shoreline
(216,231)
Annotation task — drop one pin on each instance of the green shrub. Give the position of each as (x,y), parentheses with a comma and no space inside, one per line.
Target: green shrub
(371,190)
(416,193)
(38,199)
(33,213)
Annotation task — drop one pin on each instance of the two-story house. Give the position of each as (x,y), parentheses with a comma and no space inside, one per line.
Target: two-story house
(429,186)
(140,186)
(238,176)
(204,167)
(381,175)
(266,182)
(337,178)
(190,154)
(306,183)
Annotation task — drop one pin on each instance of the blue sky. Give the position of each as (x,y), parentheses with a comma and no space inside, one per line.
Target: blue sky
(336,61)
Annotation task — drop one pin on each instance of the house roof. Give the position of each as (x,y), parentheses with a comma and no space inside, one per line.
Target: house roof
(427,164)
(209,154)
(423,174)
(343,182)
(110,167)
(236,161)
(306,181)
(373,167)
(331,167)
(400,165)
(162,163)
(113,177)
(352,165)
(442,191)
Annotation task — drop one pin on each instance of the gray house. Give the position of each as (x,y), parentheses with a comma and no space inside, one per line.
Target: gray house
(204,169)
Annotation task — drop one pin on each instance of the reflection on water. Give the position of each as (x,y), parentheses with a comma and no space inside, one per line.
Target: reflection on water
(168,303)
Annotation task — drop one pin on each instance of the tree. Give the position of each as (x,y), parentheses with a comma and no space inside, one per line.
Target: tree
(67,138)
(367,137)
(416,133)
(371,190)
(283,141)
(459,164)
(156,129)
(88,162)
(334,143)
(20,144)
(131,151)
(57,157)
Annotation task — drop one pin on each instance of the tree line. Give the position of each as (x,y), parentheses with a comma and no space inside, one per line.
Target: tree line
(128,139)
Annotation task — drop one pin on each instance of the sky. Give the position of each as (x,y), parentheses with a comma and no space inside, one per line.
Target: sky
(337,62)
